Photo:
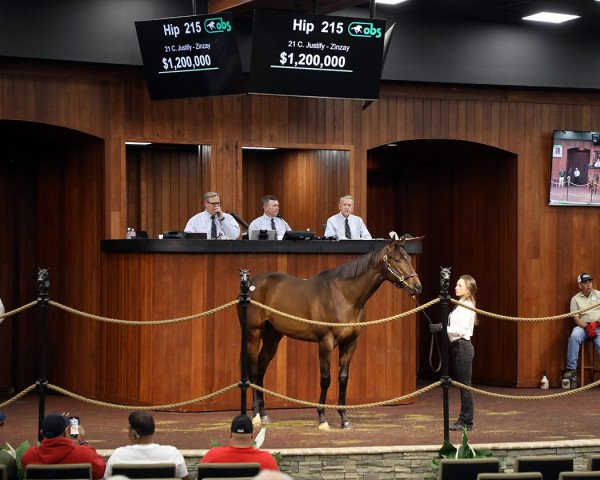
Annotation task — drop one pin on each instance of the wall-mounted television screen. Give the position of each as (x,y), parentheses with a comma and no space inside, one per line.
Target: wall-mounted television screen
(193,56)
(575,169)
(306,55)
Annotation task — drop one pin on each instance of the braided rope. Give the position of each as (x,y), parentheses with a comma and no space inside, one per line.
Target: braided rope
(18,396)
(524,319)
(347,407)
(361,324)
(526,397)
(17,310)
(144,407)
(144,323)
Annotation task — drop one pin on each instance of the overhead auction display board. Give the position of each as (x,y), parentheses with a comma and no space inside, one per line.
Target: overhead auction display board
(316,55)
(190,56)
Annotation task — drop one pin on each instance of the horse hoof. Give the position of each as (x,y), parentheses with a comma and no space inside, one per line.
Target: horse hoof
(346,425)
(265,419)
(256,421)
(323,426)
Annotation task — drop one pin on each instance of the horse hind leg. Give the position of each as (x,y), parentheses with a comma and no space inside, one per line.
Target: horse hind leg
(325,348)
(270,342)
(346,353)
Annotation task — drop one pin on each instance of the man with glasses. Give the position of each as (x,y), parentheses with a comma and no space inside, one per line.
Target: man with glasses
(213,221)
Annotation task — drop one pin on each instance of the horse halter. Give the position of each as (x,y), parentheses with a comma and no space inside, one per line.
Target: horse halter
(401,279)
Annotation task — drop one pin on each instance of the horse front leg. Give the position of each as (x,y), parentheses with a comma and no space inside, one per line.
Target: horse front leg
(346,353)
(325,348)
(252,347)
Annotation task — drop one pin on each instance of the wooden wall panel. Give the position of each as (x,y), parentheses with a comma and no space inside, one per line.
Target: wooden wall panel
(112,104)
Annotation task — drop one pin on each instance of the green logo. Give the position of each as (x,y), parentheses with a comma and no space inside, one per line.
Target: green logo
(364,29)
(216,25)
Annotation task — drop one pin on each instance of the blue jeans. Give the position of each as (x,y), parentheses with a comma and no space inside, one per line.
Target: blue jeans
(577,337)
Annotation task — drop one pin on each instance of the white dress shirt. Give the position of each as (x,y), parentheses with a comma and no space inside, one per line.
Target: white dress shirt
(202,223)
(336,227)
(264,223)
(461,322)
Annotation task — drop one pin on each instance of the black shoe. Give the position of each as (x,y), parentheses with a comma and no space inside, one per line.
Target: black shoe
(458,426)
(569,374)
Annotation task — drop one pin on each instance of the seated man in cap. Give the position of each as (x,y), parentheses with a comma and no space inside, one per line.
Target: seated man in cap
(58,448)
(143,449)
(240,449)
(586,323)
(6,459)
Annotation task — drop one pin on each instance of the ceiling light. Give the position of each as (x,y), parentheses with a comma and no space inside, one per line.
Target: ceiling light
(138,143)
(550,17)
(258,148)
(396,2)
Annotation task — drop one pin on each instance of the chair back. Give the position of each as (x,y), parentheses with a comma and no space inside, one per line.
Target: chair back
(579,475)
(144,470)
(510,476)
(549,466)
(227,470)
(59,470)
(594,462)
(467,468)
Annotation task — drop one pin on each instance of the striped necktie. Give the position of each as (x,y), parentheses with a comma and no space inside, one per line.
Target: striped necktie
(347,226)
(273,224)
(213,228)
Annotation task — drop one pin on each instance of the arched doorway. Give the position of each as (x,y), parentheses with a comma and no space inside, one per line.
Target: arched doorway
(50,204)
(463,197)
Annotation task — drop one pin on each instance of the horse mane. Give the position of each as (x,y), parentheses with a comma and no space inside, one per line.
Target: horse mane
(351,269)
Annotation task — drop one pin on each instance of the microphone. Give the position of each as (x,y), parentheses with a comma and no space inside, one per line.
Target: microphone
(239,219)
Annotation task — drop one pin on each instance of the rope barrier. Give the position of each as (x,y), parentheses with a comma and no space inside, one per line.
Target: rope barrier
(334,324)
(17,310)
(304,403)
(347,407)
(524,319)
(526,397)
(170,406)
(17,396)
(144,323)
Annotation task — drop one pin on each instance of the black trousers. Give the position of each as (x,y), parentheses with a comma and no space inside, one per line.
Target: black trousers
(464,353)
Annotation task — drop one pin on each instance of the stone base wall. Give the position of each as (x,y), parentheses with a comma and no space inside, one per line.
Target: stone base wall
(410,462)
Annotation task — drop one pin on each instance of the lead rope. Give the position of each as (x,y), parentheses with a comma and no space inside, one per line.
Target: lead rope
(434,338)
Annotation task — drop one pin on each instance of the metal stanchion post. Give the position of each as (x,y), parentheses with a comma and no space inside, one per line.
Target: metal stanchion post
(42,382)
(244,301)
(444,301)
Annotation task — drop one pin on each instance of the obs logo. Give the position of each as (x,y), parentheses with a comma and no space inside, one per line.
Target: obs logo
(364,29)
(216,25)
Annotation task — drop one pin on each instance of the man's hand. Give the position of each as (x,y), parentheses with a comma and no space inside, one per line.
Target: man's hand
(435,327)
(590,329)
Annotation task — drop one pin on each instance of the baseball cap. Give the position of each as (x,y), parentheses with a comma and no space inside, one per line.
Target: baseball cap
(584,277)
(54,425)
(241,424)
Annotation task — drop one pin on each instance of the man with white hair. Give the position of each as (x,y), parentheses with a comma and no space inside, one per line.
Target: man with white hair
(344,225)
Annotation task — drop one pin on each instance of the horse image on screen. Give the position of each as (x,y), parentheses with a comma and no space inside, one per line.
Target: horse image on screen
(338,295)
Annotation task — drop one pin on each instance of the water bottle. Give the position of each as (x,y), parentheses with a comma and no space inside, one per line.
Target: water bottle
(128,237)
(544,383)
(133,234)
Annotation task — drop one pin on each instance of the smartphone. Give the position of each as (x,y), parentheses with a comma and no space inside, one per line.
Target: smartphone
(74,429)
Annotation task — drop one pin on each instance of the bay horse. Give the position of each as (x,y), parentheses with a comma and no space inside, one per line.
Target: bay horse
(338,295)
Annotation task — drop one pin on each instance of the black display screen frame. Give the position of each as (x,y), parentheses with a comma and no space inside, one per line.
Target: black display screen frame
(299,54)
(191,56)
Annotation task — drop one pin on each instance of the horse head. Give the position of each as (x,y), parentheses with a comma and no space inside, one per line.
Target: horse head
(398,269)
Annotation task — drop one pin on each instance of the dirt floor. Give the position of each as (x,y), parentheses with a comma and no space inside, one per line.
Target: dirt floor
(420,423)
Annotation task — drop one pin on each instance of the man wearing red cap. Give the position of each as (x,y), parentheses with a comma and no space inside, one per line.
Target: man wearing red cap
(586,323)
(58,448)
(240,449)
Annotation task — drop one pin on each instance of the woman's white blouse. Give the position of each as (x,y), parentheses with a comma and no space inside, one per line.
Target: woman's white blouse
(461,322)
